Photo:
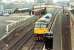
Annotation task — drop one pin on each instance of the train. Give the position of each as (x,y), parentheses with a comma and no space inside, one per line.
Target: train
(42,27)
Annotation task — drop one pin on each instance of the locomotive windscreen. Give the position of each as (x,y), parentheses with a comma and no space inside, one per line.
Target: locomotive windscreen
(40,25)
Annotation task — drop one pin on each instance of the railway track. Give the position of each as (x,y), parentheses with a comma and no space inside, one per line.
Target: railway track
(22,41)
(27,45)
(32,45)
(37,46)
(26,35)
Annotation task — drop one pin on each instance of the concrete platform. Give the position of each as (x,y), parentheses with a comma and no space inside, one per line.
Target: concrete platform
(72,31)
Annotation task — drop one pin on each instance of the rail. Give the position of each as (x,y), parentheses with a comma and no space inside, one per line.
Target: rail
(37,46)
(22,41)
(21,38)
(53,20)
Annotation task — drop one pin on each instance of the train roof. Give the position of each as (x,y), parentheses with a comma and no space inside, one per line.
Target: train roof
(48,15)
(37,9)
(23,9)
(43,20)
(46,18)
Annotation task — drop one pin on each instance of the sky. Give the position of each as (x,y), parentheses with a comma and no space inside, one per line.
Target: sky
(12,1)
(9,1)
(60,0)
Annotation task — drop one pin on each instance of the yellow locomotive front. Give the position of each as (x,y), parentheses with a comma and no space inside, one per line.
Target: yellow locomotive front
(40,30)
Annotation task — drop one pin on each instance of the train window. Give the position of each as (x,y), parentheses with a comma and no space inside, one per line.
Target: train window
(40,25)
(43,25)
(46,25)
(47,17)
(37,25)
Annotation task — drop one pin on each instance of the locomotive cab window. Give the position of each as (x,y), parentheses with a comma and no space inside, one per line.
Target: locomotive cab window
(40,25)
(47,17)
